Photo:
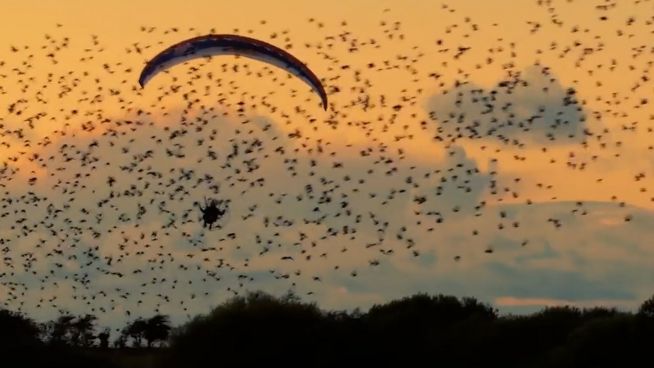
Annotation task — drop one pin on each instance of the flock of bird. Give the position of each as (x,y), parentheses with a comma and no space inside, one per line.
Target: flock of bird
(105,184)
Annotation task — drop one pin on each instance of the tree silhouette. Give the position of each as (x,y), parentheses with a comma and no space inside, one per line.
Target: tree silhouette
(83,330)
(425,325)
(121,340)
(24,343)
(617,341)
(156,328)
(600,312)
(136,330)
(17,331)
(68,330)
(647,308)
(60,331)
(258,328)
(258,320)
(104,338)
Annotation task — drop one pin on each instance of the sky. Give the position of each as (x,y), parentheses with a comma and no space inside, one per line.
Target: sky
(499,150)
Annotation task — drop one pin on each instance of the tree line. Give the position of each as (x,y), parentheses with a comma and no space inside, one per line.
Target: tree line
(258,328)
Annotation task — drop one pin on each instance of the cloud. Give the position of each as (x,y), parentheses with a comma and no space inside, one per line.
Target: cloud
(527,107)
(556,284)
(526,305)
(577,265)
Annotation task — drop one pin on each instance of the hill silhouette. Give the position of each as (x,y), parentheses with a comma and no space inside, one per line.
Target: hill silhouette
(261,329)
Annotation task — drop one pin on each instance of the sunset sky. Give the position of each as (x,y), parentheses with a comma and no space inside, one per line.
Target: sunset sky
(549,202)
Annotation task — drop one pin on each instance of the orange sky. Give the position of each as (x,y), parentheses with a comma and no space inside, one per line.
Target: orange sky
(117,25)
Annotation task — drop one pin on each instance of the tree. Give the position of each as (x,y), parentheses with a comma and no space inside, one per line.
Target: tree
(647,308)
(136,330)
(121,340)
(156,329)
(83,330)
(104,338)
(17,330)
(60,331)
(72,331)
(257,319)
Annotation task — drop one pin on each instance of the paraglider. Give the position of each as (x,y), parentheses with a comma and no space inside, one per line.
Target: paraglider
(227,44)
(213,211)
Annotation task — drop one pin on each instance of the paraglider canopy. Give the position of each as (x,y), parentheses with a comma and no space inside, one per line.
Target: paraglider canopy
(227,44)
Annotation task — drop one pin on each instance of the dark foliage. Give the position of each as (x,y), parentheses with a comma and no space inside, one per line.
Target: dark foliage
(257,328)
(260,329)
(151,331)
(17,331)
